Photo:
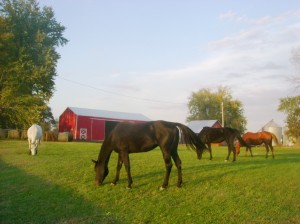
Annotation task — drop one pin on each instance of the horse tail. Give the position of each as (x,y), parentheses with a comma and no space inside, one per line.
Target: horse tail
(241,140)
(275,138)
(191,140)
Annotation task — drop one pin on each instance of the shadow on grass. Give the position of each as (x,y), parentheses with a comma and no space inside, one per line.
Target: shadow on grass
(28,199)
(259,162)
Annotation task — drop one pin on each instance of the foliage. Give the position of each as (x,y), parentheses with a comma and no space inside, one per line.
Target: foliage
(291,107)
(57,186)
(28,37)
(206,105)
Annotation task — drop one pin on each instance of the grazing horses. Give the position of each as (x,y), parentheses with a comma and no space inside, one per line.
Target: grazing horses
(128,138)
(34,135)
(216,135)
(258,138)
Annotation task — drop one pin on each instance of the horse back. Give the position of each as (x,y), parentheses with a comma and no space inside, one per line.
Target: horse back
(252,138)
(34,133)
(211,135)
(133,137)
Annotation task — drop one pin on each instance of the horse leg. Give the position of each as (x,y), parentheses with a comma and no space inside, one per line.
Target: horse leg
(272,149)
(267,150)
(125,159)
(177,161)
(168,164)
(228,155)
(29,145)
(119,166)
(246,151)
(234,153)
(250,149)
(231,148)
(209,149)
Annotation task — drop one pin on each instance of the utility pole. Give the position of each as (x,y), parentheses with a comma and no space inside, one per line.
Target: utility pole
(222,112)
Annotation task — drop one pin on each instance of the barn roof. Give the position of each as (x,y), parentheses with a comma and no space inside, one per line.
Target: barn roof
(271,124)
(108,114)
(198,125)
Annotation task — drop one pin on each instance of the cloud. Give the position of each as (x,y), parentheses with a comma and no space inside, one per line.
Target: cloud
(232,16)
(253,61)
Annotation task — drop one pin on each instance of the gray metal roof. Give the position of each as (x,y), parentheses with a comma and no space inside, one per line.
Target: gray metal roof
(272,124)
(109,114)
(198,125)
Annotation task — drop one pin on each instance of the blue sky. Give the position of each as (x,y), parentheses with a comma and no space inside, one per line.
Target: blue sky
(149,56)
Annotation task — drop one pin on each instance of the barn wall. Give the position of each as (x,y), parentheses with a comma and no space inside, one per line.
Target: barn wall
(89,128)
(67,122)
(95,129)
(86,127)
(217,125)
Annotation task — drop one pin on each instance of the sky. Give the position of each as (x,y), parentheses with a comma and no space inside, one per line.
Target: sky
(149,57)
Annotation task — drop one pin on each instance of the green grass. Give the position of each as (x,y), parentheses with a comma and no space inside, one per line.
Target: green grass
(57,186)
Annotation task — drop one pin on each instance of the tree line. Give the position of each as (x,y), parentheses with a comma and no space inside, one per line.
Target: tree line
(29,36)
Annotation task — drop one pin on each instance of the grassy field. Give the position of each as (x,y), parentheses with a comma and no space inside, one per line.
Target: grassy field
(57,186)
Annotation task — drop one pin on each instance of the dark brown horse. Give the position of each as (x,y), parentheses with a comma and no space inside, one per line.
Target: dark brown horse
(128,138)
(253,139)
(217,135)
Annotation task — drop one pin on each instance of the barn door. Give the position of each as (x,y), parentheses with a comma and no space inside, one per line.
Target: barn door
(97,130)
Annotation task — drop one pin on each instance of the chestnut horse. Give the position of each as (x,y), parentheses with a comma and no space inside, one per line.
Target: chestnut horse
(128,138)
(253,139)
(210,135)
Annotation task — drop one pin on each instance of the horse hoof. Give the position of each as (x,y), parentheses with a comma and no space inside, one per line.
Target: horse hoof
(128,188)
(113,184)
(226,160)
(162,188)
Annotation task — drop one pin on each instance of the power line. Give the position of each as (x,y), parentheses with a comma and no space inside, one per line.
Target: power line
(118,94)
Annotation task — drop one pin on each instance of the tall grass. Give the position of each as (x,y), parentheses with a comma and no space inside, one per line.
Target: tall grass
(57,186)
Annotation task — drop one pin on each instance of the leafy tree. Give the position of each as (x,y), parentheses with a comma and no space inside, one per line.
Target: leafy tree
(28,38)
(206,105)
(291,106)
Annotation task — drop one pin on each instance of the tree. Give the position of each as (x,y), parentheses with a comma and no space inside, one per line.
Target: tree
(291,105)
(206,105)
(28,38)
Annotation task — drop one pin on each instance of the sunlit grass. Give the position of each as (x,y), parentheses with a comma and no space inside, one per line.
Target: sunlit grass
(57,186)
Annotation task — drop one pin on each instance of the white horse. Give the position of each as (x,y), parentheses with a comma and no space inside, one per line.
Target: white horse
(34,135)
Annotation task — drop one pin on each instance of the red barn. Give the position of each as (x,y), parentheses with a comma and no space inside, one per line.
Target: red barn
(198,125)
(94,125)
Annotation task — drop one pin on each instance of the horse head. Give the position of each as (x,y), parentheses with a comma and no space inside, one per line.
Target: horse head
(34,149)
(201,147)
(237,148)
(101,172)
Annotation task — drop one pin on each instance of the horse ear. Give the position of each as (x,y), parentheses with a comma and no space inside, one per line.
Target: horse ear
(94,161)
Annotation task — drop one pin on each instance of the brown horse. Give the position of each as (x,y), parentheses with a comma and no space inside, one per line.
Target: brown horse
(253,139)
(128,138)
(210,135)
